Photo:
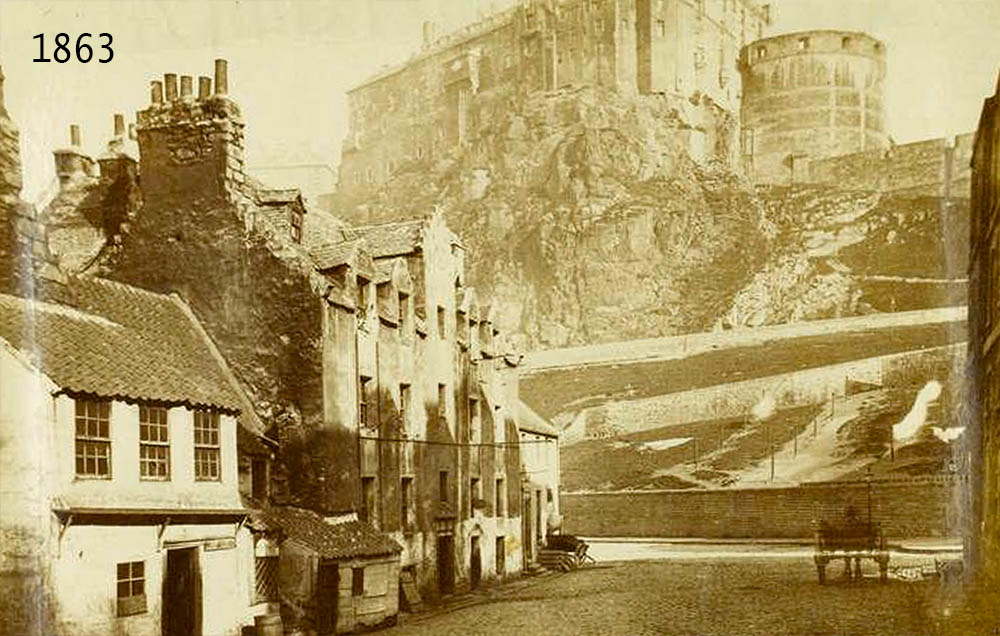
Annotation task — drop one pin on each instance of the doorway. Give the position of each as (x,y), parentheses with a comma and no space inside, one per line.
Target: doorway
(527,535)
(327,590)
(180,614)
(446,563)
(476,564)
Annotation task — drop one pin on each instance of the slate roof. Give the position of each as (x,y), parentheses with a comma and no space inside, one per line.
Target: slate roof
(333,255)
(388,239)
(104,338)
(268,196)
(530,421)
(344,540)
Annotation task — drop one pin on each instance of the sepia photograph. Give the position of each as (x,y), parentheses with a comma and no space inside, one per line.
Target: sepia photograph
(490,317)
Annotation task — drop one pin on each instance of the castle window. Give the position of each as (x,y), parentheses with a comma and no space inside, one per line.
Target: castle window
(441,322)
(761,52)
(661,28)
(803,44)
(370,175)
(845,42)
(296,227)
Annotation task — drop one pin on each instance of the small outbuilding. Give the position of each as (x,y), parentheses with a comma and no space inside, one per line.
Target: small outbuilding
(337,575)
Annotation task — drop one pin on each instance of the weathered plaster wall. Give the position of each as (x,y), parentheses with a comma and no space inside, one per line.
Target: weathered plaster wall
(92,553)
(125,488)
(26,430)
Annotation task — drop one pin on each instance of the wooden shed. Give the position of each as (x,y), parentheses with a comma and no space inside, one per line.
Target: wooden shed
(337,576)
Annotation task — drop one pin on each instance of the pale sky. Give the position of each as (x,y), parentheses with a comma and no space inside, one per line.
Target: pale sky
(291,62)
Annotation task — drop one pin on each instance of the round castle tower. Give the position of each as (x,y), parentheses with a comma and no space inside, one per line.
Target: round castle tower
(810,95)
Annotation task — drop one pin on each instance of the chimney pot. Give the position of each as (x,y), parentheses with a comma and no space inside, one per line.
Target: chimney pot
(170,81)
(186,86)
(119,125)
(74,135)
(156,92)
(221,77)
(204,87)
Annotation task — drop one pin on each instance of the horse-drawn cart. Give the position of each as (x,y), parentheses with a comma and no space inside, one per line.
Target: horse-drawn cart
(852,540)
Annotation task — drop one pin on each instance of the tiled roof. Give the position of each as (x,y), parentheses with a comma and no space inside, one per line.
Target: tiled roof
(113,340)
(388,239)
(530,421)
(343,540)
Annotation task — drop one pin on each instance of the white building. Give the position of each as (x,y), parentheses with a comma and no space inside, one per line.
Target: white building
(539,442)
(119,504)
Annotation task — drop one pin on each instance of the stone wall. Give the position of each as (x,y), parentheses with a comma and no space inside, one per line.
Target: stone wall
(934,167)
(790,390)
(909,508)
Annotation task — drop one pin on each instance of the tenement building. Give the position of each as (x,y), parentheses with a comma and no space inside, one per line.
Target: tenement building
(391,397)
(984,332)
(429,106)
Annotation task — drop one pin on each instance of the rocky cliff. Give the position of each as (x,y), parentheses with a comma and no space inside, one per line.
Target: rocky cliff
(592,203)
(591,217)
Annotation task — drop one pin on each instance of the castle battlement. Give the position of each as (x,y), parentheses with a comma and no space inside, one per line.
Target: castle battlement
(425,107)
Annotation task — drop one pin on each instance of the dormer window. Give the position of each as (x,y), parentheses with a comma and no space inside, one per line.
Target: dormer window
(296,228)
(404,301)
(362,299)
(462,324)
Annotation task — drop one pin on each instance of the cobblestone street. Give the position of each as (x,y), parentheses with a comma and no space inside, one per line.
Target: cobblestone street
(711,596)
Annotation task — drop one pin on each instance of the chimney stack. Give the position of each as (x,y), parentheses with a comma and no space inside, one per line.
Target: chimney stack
(204,87)
(170,81)
(71,162)
(191,151)
(156,92)
(221,77)
(430,33)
